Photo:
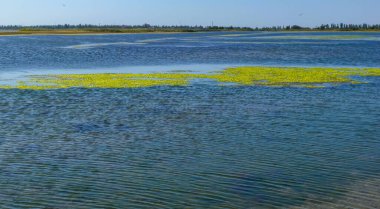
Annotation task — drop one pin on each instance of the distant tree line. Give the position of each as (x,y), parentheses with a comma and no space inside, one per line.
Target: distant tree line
(120,27)
(324,27)
(148,27)
(349,27)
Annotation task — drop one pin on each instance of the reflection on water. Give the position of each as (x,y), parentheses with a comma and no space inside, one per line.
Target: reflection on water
(200,146)
(90,46)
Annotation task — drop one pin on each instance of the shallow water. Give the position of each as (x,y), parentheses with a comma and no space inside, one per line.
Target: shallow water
(199,146)
(111,51)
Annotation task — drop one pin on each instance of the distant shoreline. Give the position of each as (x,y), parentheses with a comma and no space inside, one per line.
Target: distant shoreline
(84,32)
(80,33)
(89,29)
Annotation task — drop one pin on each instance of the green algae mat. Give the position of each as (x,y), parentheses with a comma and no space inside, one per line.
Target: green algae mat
(246,76)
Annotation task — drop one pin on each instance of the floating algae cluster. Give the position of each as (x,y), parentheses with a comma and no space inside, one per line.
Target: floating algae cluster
(261,76)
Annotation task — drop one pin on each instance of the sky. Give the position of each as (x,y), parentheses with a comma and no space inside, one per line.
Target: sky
(251,13)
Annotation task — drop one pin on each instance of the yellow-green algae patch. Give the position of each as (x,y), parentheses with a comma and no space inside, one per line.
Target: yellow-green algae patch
(263,76)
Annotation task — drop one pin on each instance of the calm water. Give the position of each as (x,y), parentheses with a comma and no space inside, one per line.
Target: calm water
(201,146)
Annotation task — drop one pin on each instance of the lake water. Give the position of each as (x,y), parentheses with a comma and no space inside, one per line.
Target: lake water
(199,146)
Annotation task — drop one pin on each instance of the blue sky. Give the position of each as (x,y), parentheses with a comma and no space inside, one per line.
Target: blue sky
(190,12)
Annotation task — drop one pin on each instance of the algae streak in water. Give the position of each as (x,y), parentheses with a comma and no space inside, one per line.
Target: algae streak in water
(261,76)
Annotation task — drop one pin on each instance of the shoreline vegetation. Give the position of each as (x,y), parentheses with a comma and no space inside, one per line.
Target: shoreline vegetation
(146,28)
(239,76)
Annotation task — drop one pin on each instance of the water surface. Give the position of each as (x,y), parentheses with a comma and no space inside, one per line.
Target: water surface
(199,146)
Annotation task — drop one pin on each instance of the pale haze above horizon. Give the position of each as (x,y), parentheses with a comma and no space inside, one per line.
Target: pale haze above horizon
(250,13)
